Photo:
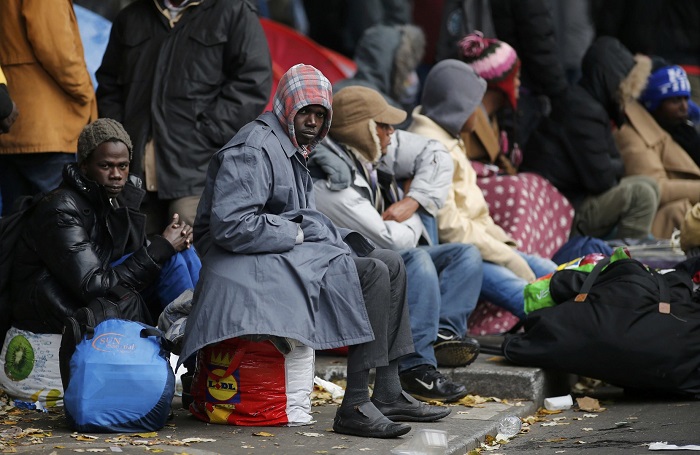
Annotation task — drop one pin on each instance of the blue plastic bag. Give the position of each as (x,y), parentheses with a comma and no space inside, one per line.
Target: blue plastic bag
(120,379)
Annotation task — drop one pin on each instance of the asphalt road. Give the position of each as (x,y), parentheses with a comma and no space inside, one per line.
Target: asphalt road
(627,426)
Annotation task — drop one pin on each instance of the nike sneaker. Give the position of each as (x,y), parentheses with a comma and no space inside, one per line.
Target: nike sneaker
(453,351)
(426,383)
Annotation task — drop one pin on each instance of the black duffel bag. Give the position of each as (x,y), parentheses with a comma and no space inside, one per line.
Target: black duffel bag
(623,324)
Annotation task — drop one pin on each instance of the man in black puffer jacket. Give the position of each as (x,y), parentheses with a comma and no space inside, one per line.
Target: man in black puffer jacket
(76,233)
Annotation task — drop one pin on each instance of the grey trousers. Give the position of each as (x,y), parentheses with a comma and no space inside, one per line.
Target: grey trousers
(383,280)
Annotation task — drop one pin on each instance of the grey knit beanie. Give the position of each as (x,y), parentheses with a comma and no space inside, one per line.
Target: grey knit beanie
(98,132)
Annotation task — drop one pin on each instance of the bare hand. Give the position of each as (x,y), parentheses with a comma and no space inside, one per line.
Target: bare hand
(7,122)
(401,211)
(179,235)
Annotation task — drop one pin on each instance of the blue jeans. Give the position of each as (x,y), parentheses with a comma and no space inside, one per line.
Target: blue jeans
(443,284)
(31,173)
(505,289)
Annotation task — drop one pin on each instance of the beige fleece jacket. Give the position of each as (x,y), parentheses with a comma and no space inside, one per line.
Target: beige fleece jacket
(465,216)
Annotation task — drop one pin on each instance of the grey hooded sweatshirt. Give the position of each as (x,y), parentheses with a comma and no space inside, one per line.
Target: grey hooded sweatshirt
(450,108)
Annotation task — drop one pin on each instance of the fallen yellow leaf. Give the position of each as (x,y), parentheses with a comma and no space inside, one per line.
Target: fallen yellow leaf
(152,434)
(83,437)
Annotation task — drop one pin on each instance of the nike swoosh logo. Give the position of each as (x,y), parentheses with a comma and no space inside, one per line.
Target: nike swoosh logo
(427,386)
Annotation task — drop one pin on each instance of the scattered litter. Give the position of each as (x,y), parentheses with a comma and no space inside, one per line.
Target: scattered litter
(337,392)
(589,404)
(587,429)
(83,437)
(590,416)
(553,424)
(558,403)
(189,440)
(264,434)
(311,435)
(509,426)
(667,446)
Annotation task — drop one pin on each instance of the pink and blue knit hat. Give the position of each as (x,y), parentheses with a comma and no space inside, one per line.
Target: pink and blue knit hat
(494,60)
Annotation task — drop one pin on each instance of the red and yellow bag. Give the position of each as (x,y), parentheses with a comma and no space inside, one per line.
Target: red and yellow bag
(241,382)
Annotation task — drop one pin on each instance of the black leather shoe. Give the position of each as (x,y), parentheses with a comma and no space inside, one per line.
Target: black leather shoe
(426,383)
(365,420)
(453,351)
(408,409)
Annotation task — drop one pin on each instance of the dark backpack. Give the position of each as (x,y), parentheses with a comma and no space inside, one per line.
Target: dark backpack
(624,324)
(11,229)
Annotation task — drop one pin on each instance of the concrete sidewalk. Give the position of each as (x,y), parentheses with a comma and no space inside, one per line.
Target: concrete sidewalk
(523,388)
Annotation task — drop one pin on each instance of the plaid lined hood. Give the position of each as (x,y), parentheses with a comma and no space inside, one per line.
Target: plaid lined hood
(301,86)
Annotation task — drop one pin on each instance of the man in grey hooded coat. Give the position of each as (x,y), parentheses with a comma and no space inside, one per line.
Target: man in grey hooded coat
(274,266)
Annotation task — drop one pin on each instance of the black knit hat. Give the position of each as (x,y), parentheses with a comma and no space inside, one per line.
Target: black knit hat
(98,132)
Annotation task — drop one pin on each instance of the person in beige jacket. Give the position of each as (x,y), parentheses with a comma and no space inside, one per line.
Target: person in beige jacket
(451,94)
(648,149)
(42,57)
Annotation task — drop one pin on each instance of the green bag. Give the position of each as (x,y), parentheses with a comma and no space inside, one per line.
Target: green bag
(537,293)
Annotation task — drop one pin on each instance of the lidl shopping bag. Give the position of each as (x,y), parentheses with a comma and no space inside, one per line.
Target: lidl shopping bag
(242,382)
(120,379)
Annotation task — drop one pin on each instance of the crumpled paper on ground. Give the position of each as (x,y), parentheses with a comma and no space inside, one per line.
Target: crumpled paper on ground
(667,446)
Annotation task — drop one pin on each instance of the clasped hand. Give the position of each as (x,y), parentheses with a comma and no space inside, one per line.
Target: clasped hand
(179,235)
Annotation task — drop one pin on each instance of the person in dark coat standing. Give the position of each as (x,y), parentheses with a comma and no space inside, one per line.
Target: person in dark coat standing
(528,26)
(274,266)
(663,28)
(183,76)
(41,54)
(387,57)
